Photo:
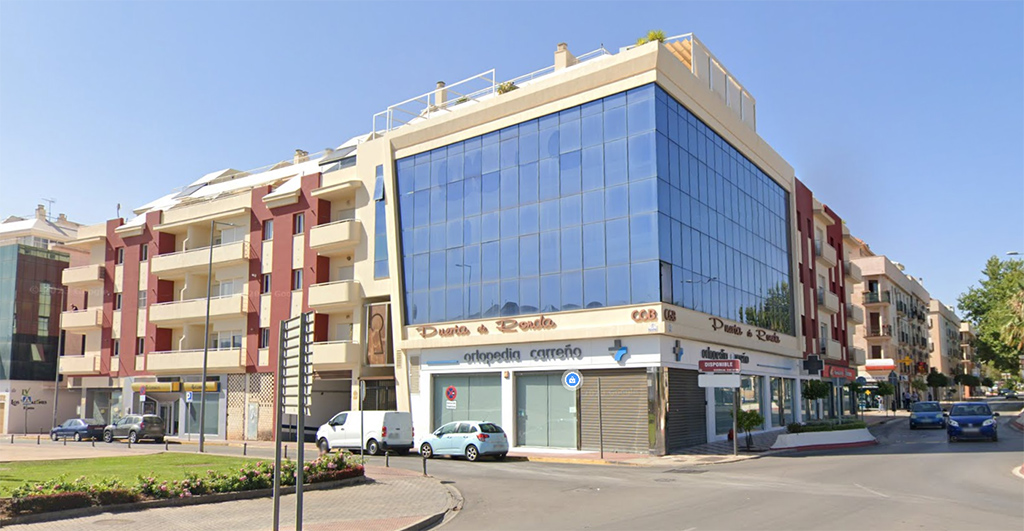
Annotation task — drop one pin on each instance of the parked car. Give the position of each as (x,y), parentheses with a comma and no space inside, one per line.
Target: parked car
(468,438)
(971,420)
(1009,394)
(927,414)
(78,429)
(135,428)
(382,431)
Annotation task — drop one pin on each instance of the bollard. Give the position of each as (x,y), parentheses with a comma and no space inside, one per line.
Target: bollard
(12,438)
(65,441)
(129,445)
(94,443)
(165,446)
(245,448)
(37,439)
(387,459)
(424,466)
(286,451)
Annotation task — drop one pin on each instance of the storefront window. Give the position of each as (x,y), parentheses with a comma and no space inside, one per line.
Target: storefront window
(750,393)
(723,410)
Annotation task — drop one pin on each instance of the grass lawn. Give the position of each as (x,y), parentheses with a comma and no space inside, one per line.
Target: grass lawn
(169,466)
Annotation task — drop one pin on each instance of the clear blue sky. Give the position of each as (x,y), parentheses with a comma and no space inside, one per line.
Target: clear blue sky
(906,117)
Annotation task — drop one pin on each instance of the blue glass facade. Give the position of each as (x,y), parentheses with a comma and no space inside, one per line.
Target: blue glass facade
(625,200)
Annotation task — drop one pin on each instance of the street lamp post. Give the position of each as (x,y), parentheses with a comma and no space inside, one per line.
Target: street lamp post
(206,338)
(60,352)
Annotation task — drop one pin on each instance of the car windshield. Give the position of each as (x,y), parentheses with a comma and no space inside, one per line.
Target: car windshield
(926,408)
(487,427)
(970,410)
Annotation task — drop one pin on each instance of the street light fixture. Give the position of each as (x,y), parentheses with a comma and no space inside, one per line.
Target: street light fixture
(1012,253)
(206,338)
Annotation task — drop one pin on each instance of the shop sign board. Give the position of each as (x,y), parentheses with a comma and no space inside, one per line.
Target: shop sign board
(719,366)
(718,380)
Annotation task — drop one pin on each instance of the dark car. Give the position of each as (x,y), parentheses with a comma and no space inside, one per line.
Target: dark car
(78,429)
(971,420)
(135,428)
(927,414)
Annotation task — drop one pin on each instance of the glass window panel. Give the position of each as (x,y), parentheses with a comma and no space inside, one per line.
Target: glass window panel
(490,160)
(472,163)
(643,237)
(529,295)
(550,293)
(618,289)
(490,266)
(549,215)
(548,185)
(509,258)
(455,268)
(615,100)
(617,233)
(489,227)
(528,147)
(571,210)
(471,230)
(456,304)
(549,252)
(510,297)
(455,167)
(642,156)
(422,239)
(421,281)
(592,130)
(641,116)
(437,312)
(593,206)
(529,255)
(471,199)
(643,196)
(528,191)
(572,249)
(614,123)
(569,136)
(490,192)
(569,115)
(454,202)
(509,184)
(421,211)
(594,292)
(616,202)
(471,259)
(509,153)
(490,299)
(437,270)
(593,245)
(664,237)
(437,237)
(591,108)
(593,167)
(549,121)
(615,162)
(572,290)
(529,220)
(454,232)
(549,144)
(437,204)
(509,223)
(569,173)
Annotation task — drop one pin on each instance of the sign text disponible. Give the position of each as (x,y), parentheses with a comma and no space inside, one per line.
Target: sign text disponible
(719,366)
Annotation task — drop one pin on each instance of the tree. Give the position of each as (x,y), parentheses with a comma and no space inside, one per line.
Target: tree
(855,390)
(935,380)
(985,382)
(885,389)
(773,313)
(746,422)
(997,310)
(815,390)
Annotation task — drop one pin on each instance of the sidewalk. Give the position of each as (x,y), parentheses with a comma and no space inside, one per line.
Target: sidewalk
(394,499)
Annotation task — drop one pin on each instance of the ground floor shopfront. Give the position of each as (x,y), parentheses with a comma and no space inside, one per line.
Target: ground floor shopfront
(639,394)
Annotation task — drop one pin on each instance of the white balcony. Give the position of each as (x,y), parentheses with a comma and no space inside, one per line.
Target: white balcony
(833,351)
(89,275)
(857,357)
(177,312)
(828,302)
(82,319)
(825,254)
(84,365)
(853,272)
(335,355)
(335,238)
(335,296)
(198,260)
(854,313)
(218,360)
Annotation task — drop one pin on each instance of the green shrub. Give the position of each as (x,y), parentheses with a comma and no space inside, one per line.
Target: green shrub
(816,426)
(115,496)
(506,86)
(43,503)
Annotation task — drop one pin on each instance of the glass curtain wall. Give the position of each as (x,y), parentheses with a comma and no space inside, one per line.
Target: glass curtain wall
(551,214)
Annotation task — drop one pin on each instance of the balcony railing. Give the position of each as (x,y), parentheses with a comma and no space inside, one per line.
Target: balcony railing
(825,254)
(854,313)
(84,275)
(832,350)
(871,297)
(857,357)
(335,237)
(882,331)
(82,319)
(195,309)
(853,272)
(828,301)
(332,296)
(218,360)
(198,260)
(335,355)
(85,364)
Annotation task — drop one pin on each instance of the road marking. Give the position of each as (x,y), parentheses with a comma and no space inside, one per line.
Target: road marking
(871,491)
(690,529)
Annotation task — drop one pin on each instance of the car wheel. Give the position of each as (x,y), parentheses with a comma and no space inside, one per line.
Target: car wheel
(324,446)
(500,457)
(426,451)
(108,437)
(133,437)
(53,436)
(78,437)
(472,454)
(372,447)
(952,439)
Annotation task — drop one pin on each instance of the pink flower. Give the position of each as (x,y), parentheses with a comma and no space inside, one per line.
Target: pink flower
(243,478)
(163,488)
(332,466)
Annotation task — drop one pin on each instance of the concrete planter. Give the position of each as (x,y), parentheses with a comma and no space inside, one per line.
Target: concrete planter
(824,439)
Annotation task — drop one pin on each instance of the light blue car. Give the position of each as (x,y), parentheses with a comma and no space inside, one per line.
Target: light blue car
(927,414)
(468,438)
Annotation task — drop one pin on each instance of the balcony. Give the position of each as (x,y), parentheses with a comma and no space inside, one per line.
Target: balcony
(89,364)
(218,360)
(178,312)
(333,296)
(335,355)
(832,350)
(198,260)
(336,237)
(853,272)
(83,276)
(880,364)
(854,313)
(857,357)
(82,319)
(879,332)
(871,297)
(825,254)
(828,302)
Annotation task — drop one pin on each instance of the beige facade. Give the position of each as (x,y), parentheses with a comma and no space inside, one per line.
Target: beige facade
(945,353)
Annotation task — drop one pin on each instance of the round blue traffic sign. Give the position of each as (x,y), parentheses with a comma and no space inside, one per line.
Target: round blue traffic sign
(572,380)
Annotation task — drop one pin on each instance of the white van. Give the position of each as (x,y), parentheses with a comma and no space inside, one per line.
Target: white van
(384,430)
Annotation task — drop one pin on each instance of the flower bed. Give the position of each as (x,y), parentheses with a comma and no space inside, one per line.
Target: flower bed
(61,493)
(811,427)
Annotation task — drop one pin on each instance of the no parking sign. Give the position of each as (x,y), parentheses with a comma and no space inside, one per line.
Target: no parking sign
(450,393)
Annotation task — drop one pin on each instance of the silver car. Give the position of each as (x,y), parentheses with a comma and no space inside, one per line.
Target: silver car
(135,428)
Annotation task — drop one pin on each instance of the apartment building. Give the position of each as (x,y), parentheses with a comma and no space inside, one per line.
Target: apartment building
(944,349)
(32,296)
(895,334)
(614,214)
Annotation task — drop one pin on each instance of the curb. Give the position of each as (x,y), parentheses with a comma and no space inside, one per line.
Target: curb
(1019,472)
(174,502)
(438,518)
(570,461)
(1016,425)
(829,446)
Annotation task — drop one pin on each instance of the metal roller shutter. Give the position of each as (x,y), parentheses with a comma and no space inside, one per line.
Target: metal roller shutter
(624,407)
(686,422)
